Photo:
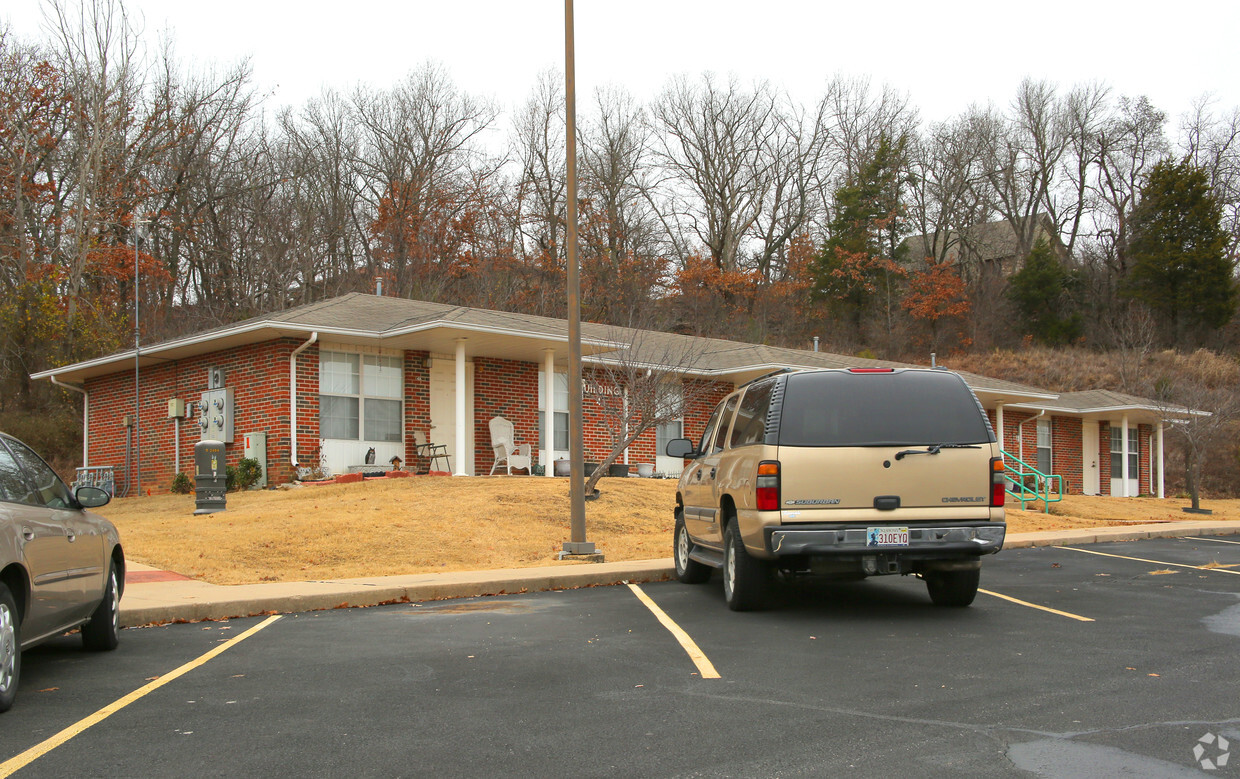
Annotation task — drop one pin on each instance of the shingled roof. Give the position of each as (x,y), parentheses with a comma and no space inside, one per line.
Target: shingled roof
(402,323)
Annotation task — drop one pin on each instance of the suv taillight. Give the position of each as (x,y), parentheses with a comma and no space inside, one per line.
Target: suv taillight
(768,485)
(998,483)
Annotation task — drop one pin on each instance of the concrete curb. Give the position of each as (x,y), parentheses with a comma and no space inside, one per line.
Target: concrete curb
(190,600)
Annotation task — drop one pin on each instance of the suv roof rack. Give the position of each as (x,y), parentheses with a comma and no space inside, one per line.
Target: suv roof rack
(777,372)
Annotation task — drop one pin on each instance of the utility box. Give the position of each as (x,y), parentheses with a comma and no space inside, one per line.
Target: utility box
(176,408)
(210,477)
(216,415)
(256,449)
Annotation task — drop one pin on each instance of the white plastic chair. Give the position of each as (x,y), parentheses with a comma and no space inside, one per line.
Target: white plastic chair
(511,454)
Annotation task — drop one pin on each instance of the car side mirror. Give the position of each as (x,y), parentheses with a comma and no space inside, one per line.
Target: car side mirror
(681,447)
(91,497)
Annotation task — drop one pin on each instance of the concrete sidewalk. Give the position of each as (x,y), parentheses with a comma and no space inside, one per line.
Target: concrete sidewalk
(154,596)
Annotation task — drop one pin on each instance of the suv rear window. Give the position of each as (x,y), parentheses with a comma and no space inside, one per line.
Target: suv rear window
(905,408)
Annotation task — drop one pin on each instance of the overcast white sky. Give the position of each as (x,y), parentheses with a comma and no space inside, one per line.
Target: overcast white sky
(945,55)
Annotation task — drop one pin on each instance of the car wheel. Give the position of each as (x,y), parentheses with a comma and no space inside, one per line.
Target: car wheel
(744,577)
(953,588)
(103,632)
(10,648)
(688,570)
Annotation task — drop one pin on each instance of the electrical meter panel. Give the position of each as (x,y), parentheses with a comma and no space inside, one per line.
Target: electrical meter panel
(215,415)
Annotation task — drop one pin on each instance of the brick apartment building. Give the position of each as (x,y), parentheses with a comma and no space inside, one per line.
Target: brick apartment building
(326,382)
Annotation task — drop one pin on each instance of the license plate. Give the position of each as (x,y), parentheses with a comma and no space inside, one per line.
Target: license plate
(886,536)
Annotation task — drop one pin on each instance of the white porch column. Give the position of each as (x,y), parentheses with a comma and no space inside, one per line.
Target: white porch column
(548,428)
(460,408)
(1160,460)
(999,424)
(1124,453)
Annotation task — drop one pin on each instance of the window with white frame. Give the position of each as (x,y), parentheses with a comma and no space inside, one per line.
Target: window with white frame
(360,396)
(1044,446)
(559,434)
(671,403)
(1117,452)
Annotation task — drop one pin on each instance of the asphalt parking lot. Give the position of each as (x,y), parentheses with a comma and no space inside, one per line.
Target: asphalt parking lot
(1105,660)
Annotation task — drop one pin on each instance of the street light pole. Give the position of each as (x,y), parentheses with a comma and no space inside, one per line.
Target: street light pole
(578,545)
(137,351)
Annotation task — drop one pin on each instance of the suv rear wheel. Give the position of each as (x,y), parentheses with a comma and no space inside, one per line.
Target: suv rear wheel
(688,570)
(744,577)
(953,588)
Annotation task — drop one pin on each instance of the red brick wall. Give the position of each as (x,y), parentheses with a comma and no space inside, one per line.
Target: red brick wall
(417,406)
(508,389)
(1065,444)
(258,375)
(1066,453)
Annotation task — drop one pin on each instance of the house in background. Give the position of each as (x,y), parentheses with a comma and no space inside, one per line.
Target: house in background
(990,249)
(329,381)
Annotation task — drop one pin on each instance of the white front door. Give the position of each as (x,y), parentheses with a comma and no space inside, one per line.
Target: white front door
(443,409)
(1117,461)
(1091,482)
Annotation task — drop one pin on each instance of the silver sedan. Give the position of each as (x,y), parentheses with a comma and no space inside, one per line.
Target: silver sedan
(61,566)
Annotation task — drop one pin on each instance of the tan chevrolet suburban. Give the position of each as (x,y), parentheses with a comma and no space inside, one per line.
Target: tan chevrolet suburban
(845,473)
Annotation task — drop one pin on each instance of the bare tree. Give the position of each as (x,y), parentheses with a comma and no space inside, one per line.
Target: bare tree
(419,144)
(946,174)
(1199,414)
(621,236)
(800,166)
(712,145)
(1212,143)
(645,383)
(1128,145)
(1023,152)
(1085,113)
(540,148)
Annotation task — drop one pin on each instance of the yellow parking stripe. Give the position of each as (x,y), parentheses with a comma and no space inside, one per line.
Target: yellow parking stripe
(1047,609)
(37,751)
(1154,562)
(1213,540)
(704,666)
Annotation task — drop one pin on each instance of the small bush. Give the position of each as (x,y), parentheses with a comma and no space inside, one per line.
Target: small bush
(181,484)
(245,475)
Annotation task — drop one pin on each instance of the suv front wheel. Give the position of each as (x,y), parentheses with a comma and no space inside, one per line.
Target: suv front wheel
(744,577)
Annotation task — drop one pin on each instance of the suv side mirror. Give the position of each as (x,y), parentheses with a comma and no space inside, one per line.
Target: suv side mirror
(681,447)
(91,497)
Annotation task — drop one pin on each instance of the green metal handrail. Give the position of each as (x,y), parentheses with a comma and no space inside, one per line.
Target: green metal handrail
(1019,486)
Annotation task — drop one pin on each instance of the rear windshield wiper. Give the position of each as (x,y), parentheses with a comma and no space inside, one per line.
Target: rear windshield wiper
(934,449)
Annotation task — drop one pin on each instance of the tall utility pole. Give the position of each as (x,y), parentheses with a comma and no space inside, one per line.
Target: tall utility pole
(137,391)
(576,450)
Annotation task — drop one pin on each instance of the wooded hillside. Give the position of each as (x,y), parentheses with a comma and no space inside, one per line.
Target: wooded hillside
(1060,216)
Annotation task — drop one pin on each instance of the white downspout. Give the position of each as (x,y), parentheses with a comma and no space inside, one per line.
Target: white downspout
(292,399)
(460,407)
(85,418)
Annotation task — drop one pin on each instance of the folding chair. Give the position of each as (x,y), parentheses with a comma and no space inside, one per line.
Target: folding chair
(432,452)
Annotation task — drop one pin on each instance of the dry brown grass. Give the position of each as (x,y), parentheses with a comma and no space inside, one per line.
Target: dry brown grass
(427,524)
